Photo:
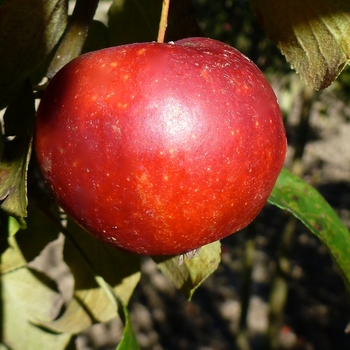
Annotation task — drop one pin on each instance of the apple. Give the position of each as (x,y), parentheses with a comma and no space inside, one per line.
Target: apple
(161,148)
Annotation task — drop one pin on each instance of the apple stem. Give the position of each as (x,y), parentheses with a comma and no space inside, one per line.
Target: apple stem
(163,21)
(75,35)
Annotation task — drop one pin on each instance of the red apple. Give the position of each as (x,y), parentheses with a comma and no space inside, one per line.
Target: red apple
(161,148)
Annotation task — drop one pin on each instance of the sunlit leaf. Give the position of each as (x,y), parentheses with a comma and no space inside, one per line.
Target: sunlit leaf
(88,260)
(190,275)
(133,21)
(26,296)
(27,244)
(19,126)
(307,204)
(29,31)
(314,35)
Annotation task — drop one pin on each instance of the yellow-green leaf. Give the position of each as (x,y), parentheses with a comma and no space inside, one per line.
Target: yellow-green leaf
(26,298)
(314,35)
(88,260)
(190,275)
(22,248)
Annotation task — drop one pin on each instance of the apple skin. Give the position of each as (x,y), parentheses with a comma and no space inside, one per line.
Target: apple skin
(161,148)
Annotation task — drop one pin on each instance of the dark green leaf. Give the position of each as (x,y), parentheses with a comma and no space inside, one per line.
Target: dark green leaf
(133,21)
(307,204)
(182,21)
(29,30)
(97,38)
(19,126)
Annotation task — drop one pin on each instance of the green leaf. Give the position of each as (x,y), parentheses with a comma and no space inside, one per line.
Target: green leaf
(314,35)
(133,21)
(191,274)
(90,260)
(307,204)
(19,127)
(27,296)
(182,21)
(29,31)
(97,37)
(128,341)
(22,248)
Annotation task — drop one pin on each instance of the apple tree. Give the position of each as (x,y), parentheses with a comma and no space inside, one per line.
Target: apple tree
(39,38)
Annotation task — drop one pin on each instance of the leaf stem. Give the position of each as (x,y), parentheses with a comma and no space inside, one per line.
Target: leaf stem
(163,21)
(75,35)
